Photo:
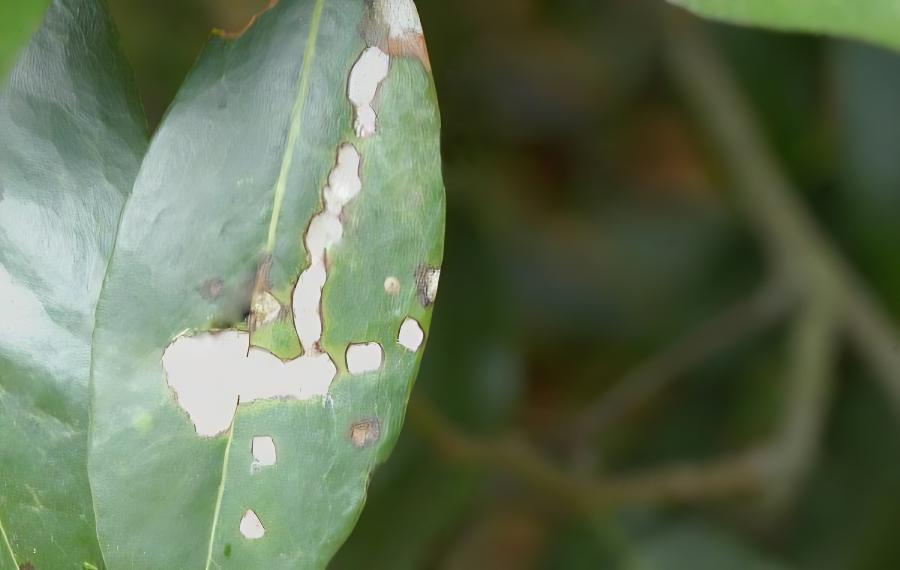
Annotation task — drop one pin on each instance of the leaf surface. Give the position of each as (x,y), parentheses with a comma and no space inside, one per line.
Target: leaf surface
(226,217)
(71,139)
(875,21)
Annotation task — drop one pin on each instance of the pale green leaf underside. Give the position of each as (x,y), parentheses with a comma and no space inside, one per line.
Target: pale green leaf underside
(71,139)
(231,182)
(875,21)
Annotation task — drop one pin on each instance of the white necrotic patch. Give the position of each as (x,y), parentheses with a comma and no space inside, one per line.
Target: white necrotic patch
(211,373)
(400,16)
(411,335)
(263,450)
(251,527)
(367,74)
(392,286)
(362,358)
(266,307)
(432,280)
(325,230)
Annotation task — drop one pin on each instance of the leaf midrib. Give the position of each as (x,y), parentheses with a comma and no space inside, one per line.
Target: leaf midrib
(280,187)
(296,124)
(6,542)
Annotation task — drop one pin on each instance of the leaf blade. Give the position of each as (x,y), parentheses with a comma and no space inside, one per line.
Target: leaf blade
(194,246)
(72,141)
(875,21)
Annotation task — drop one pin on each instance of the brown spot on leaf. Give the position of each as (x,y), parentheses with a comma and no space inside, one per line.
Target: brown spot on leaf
(211,288)
(376,32)
(260,286)
(365,433)
(233,35)
(427,279)
(410,45)
(26,566)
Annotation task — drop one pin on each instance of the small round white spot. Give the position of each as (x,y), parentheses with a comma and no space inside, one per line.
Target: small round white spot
(392,285)
(362,358)
(251,526)
(263,450)
(411,335)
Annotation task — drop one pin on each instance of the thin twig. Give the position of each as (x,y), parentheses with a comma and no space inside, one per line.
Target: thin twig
(742,319)
(721,479)
(813,357)
(779,218)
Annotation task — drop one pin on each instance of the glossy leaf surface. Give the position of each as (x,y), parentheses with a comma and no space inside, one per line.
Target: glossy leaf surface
(215,237)
(875,21)
(71,139)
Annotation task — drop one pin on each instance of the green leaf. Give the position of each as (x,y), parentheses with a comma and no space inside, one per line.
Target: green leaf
(876,21)
(216,229)
(693,545)
(71,138)
(18,21)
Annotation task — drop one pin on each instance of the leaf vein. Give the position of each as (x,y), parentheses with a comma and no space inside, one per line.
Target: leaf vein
(6,542)
(219,495)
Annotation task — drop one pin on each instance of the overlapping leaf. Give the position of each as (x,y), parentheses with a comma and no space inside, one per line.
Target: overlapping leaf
(875,21)
(71,139)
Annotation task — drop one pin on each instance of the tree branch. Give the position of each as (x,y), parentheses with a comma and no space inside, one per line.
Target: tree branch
(744,318)
(671,485)
(779,218)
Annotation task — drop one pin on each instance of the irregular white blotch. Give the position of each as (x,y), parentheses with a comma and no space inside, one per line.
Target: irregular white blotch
(263,450)
(251,526)
(325,230)
(362,358)
(401,17)
(366,75)
(392,286)
(211,372)
(411,335)
(266,308)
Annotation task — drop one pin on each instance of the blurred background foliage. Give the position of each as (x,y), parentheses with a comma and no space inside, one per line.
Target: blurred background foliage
(592,228)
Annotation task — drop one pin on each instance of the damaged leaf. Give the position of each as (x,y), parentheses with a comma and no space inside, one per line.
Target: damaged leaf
(302,157)
(70,146)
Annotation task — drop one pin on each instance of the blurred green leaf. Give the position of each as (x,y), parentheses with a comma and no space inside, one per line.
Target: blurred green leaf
(696,546)
(70,147)
(18,21)
(235,176)
(876,21)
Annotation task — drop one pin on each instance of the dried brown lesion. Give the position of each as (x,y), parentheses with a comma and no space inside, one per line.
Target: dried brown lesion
(427,280)
(235,34)
(376,29)
(365,433)
(411,45)
(260,304)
